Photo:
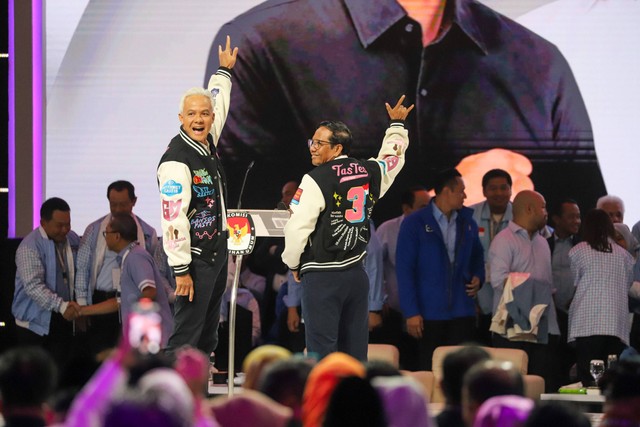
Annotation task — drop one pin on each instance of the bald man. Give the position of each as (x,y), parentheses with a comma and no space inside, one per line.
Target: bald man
(521,248)
(485,380)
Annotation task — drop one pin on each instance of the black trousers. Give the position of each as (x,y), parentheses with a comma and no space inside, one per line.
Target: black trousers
(60,342)
(196,322)
(335,308)
(444,332)
(105,330)
(392,332)
(544,359)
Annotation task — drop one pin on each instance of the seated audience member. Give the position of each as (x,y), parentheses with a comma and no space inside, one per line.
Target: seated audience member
(250,409)
(125,371)
(96,263)
(250,280)
(244,299)
(485,380)
(284,381)
(139,276)
(139,410)
(193,366)
(503,411)
(60,403)
(266,261)
(354,402)
(43,304)
(160,398)
(613,206)
(250,295)
(599,312)
(323,379)
(555,413)
(380,368)
(27,380)
(258,360)
(404,403)
(622,394)
(454,367)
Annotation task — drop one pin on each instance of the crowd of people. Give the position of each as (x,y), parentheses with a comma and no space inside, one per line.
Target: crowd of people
(496,273)
(284,389)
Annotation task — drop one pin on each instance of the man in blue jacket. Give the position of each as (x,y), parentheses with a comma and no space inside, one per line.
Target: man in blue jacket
(43,302)
(440,267)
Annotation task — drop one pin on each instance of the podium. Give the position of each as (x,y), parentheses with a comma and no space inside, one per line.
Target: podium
(244,226)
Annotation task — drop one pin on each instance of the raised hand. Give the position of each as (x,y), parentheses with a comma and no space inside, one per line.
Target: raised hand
(399,112)
(227,56)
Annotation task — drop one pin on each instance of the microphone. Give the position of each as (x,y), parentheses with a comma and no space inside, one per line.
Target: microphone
(244,182)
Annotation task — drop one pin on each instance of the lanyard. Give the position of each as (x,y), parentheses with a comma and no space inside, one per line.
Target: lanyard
(63,265)
(117,274)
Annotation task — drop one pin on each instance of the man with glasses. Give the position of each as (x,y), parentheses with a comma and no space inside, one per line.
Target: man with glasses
(326,237)
(97,263)
(138,277)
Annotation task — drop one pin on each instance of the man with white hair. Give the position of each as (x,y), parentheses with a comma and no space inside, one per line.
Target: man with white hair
(192,186)
(613,206)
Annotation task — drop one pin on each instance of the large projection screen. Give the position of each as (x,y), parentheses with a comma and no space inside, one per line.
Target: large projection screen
(115,71)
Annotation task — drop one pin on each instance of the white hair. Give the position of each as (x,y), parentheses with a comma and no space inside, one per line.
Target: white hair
(197,91)
(610,199)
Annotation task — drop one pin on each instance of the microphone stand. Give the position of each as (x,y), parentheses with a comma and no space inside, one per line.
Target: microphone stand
(232,303)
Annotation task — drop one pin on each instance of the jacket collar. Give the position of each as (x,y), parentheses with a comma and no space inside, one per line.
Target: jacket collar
(198,147)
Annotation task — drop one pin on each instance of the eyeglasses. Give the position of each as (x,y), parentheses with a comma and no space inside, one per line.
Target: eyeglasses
(104,233)
(317,143)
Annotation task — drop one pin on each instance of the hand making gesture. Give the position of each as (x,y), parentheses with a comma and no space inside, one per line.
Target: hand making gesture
(227,56)
(399,112)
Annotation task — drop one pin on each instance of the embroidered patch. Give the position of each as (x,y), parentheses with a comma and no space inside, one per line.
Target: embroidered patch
(202,191)
(296,197)
(337,198)
(215,91)
(428,229)
(201,176)
(206,234)
(171,188)
(392,162)
(171,209)
(204,219)
(172,238)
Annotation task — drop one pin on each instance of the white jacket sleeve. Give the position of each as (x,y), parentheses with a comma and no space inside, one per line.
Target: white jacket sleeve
(391,156)
(176,238)
(304,215)
(220,87)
